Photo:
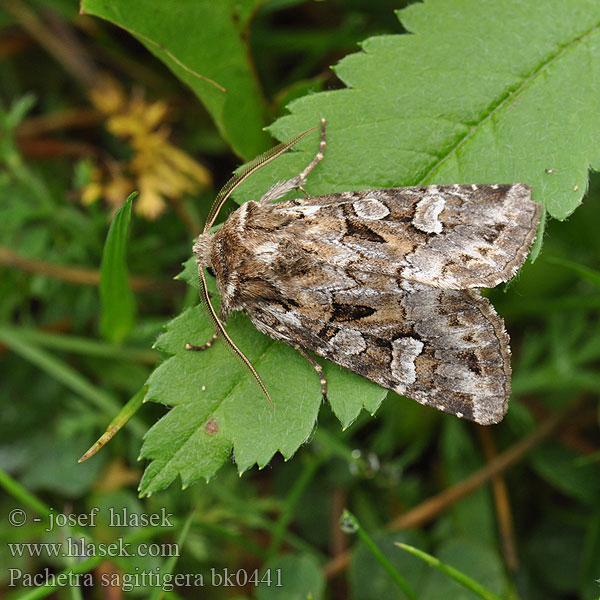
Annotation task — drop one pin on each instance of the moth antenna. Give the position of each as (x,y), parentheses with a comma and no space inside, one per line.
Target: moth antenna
(246,171)
(222,333)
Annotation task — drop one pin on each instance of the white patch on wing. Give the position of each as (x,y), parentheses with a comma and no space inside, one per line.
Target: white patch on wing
(427,212)
(371,209)
(348,341)
(405,351)
(462,380)
(241,215)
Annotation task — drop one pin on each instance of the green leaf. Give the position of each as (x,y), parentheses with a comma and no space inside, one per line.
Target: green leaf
(202,42)
(118,305)
(125,414)
(190,272)
(450,105)
(212,390)
(217,404)
(349,393)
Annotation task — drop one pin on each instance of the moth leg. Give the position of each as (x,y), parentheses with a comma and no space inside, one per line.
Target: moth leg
(281,188)
(317,367)
(204,346)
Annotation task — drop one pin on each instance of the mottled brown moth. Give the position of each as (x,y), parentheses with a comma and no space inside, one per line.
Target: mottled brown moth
(383,282)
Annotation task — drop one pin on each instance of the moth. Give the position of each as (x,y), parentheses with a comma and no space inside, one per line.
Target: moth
(384,282)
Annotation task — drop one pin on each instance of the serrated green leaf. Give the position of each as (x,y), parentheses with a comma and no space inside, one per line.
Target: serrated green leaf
(481,92)
(201,43)
(118,305)
(190,272)
(349,393)
(217,404)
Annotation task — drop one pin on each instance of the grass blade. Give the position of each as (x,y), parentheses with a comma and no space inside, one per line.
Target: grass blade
(118,305)
(117,423)
(455,574)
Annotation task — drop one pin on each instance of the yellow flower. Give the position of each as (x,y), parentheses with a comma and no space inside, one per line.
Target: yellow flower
(159,170)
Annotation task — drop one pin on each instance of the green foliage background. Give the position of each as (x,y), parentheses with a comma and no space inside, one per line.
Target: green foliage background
(475,92)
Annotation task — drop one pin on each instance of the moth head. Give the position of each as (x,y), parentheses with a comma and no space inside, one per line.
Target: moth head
(203,248)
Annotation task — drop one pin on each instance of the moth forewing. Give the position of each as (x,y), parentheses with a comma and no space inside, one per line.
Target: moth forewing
(382,282)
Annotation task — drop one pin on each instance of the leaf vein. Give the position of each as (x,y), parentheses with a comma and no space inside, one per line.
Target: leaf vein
(509,98)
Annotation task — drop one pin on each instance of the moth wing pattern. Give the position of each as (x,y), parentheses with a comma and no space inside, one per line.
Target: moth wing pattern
(443,348)
(384,283)
(453,236)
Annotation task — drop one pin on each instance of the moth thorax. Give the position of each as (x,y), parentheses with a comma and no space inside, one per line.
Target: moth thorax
(203,248)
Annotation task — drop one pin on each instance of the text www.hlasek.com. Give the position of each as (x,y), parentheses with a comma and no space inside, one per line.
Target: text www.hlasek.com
(80,547)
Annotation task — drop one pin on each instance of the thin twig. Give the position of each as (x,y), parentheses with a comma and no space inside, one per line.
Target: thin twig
(79,275)
(65,48)
(58,121)
(42,148)
(501,502)
(338,539)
